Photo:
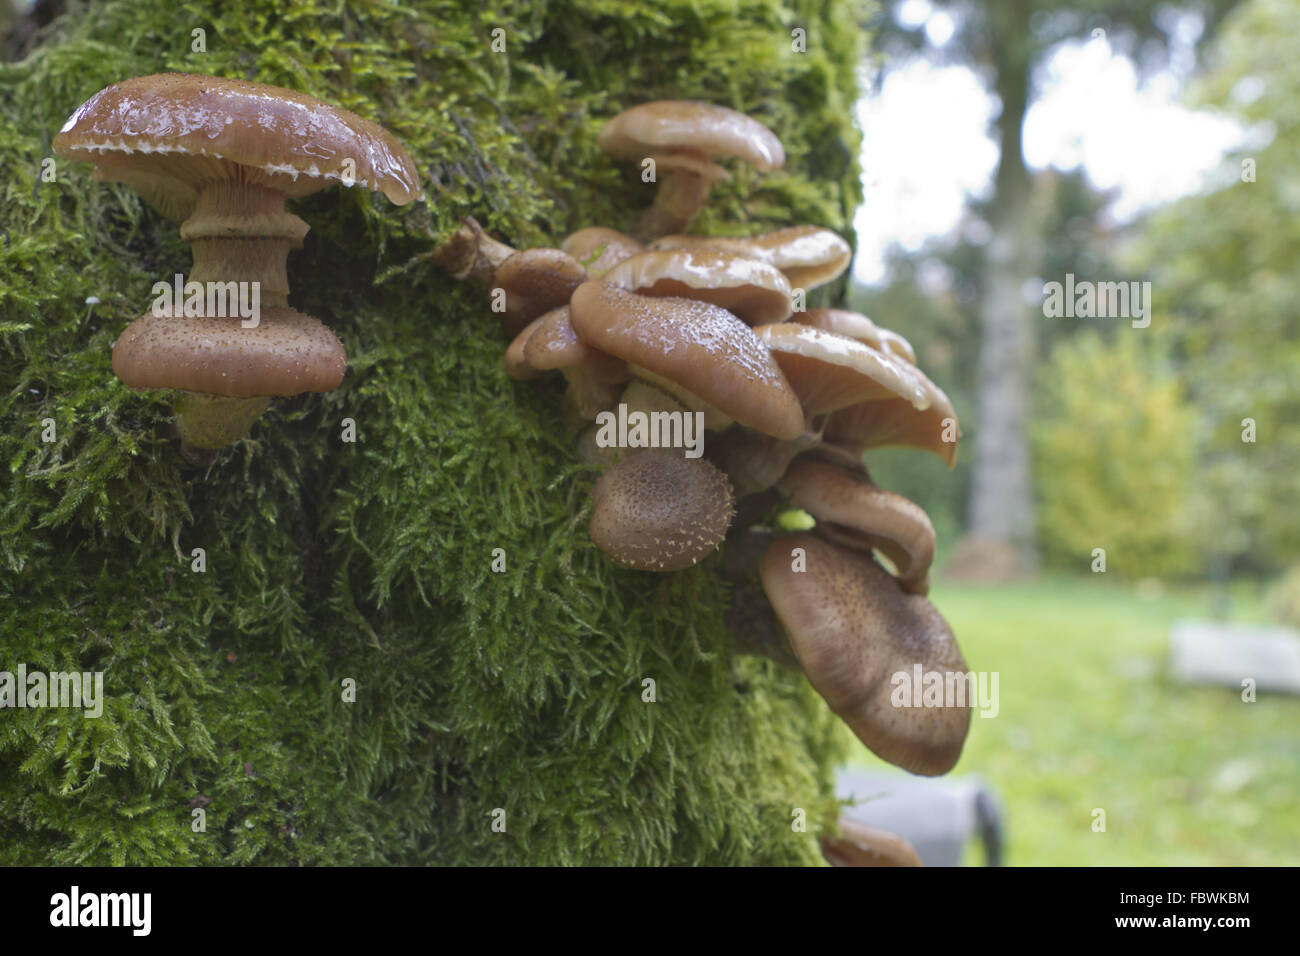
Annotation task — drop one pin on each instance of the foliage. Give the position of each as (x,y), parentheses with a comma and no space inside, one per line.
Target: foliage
(370,561)
(1113,458)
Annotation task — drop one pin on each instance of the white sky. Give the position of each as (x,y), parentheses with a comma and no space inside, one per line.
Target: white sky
(926,144)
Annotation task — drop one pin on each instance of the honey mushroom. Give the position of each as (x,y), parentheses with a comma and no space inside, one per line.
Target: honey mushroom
(808,256)
(599,248)
(755,293)
(860,844)
(222,156)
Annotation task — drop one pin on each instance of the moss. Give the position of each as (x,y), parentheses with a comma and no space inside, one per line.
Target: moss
(328,560)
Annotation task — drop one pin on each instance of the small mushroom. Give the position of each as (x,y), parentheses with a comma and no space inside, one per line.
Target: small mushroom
(656,510)
(682,136)
(858,514)
(698,352)
(756,293)
(860,844)
(855,325)
(809,256)
(599,249)
(470,253)
(594,378)
(853,629)
(535,281)
(896,421)
(224,155)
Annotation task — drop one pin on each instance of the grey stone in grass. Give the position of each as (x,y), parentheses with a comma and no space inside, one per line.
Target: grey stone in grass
(937,816)
(1214,652)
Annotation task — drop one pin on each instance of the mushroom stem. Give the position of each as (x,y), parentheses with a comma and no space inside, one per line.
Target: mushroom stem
(470,253)
(681,194)
(207,422)
(242,233)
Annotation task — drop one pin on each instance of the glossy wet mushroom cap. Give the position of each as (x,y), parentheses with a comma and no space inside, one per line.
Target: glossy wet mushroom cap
(599,249)
(878,424)
(536,281)
(665,126)
(809,256)
(855,325)
(860,844)
(656,510)
(699,352)
(756,293)
(858,637)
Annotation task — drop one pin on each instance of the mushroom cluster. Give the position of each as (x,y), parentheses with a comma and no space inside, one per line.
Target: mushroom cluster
(663,338)
(221,157)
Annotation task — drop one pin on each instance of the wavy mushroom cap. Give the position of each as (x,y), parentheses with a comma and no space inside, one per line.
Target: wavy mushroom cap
(809,256)
(896,421)
(666,126)
(700,352)
(829,371)
(536,281)
(860,844)
(754,292)
(167,133)
(609,247)
(858,514)
(853,630)
(656,510)
(288,353)
(855,325)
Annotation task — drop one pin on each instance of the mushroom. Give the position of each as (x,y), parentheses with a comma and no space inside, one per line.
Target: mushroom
(854,631)
(896,421)
(681,136)
(756,293)
(855,325)
(656,510)
(755,462)
(550,344)
(858,514)
(470,253)
(698,352)
(638,396)
(860,844)
(224,155)
(600,249)
(809,256)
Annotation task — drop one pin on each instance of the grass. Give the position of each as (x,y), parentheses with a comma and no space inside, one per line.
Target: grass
(1090,718)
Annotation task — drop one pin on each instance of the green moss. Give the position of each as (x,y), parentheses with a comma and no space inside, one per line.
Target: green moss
(372,561)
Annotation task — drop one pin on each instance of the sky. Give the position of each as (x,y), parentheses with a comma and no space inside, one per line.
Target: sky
(926,144)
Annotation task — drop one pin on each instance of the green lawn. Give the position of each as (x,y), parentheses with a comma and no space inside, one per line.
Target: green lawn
(1089,717)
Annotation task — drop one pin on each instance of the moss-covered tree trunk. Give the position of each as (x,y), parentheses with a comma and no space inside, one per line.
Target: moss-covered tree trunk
(371,561)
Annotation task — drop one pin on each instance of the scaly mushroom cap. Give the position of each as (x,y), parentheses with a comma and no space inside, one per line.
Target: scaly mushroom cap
(536,281)
(609,246)
(853,629)
(858,514)
(756,293)
(808,255)
(855,325)
(656,510)
(859,844)
(829,371)
(693,347)
(286,354)
(898,422)
(667,126)
(166,133)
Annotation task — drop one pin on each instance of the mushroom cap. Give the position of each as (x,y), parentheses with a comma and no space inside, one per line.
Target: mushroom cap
(896,422)
(858,514)
(286,354)
(668,125)
(755,292)
(656,510)
(829,371)
(808,255)
(517,366)
(855,325)
(853,629)
(166,133)
(535,282)
(700,347)
(555,345)
(860,844)
(609,246)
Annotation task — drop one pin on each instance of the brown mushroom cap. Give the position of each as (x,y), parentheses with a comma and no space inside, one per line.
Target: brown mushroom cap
(656,510)
(855,325)
(166,133)
(555,345)
(699,347)
(809,256)
(859,844)
(609,246)
(754,292)
(853,629)
(536,281)
(668,125)
(286,354)
(897,422)
(829,371)
(858,514)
